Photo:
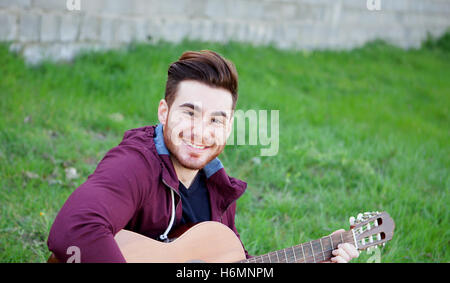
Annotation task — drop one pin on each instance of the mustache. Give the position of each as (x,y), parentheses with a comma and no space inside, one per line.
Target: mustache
(176,134)
(197,140)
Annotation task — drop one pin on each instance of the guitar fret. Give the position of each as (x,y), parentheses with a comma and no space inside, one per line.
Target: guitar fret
(288,256)
(328,247)
(321,245)
(312,251)
(273,254)
(331,239)
(303,251)
(285,255)
(317,250)
(308,252)
(292,257)
(280,256)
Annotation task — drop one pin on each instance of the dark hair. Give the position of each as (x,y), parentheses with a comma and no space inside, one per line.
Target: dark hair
(205,66)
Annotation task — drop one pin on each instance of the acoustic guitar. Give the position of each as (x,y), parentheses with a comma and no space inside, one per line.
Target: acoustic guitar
(214,242)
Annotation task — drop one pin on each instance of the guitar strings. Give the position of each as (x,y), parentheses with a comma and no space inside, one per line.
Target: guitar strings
(290,257)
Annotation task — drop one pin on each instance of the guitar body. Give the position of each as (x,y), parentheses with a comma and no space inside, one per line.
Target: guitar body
(208,241)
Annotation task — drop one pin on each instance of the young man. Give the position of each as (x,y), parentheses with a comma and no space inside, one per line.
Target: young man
(160,177)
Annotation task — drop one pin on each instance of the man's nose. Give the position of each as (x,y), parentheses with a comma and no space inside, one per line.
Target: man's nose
(202,133)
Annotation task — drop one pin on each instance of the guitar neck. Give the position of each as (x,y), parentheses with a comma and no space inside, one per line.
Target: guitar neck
(310,252)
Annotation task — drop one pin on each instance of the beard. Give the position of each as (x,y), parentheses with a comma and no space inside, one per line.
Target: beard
(185,155)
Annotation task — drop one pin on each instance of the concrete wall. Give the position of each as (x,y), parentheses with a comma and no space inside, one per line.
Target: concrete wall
(41,28)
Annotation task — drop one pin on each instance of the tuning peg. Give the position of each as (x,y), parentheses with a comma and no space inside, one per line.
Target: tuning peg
(359,217)
(352,220)
(369,214)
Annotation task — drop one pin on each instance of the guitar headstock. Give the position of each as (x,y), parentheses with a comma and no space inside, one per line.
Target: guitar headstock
(371,229)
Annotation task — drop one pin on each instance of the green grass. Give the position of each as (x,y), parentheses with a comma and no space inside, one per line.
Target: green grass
(360,130)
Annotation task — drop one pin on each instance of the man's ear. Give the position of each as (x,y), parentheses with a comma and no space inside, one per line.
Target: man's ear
(163,111)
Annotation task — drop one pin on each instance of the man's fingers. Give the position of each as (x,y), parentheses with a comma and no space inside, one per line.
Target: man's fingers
(346,251)
(338,259)
(342,253)
(350,250)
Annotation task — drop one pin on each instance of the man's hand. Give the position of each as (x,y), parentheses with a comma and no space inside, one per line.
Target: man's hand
(344,252)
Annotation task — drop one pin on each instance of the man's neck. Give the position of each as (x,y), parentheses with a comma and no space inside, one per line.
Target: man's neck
(185,175)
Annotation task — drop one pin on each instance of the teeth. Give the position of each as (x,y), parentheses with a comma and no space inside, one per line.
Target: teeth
(199,147)
(194,146)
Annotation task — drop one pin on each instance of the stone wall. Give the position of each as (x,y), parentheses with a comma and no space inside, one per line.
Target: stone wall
(57,29)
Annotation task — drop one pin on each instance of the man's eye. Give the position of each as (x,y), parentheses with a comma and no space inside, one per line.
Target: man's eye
(215,120)
(190,113)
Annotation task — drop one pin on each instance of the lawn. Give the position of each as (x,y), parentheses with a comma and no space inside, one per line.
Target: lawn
(360,130)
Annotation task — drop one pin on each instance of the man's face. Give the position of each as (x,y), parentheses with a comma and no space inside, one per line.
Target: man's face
(197,124)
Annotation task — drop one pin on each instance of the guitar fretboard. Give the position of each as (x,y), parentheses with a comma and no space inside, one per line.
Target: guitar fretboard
(310,252)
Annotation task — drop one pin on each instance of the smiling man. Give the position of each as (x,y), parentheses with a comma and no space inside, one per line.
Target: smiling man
(196,125)
(163,176)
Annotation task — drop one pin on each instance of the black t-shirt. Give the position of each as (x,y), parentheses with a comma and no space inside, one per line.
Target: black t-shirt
(195,201)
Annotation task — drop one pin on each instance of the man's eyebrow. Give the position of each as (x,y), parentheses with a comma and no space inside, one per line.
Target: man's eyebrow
(190,105)
(219,113)
(196,108)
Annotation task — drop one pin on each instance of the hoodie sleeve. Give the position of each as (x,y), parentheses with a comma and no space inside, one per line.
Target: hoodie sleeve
(100,208)
(230,216)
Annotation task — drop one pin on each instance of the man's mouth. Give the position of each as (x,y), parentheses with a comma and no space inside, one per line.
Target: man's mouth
(196,146)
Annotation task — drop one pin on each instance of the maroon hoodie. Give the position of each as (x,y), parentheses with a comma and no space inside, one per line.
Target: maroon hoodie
(131,189)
